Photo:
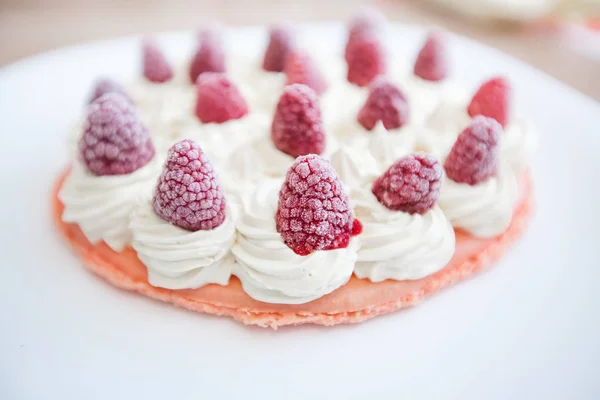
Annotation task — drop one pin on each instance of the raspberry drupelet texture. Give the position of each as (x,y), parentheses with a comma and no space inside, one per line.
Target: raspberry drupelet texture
(188,193)
(281,43)
(492,99)
(156,67)
(476,154)
(104,86)
(368,19)
(313,211)
(411,184)
(115,141)
(432,60)
(385,103)
(301,68)
(209,56)
(366,59)
(297,128)
(218,99)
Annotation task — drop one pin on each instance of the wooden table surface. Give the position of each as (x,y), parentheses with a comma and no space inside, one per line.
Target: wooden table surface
(31,26)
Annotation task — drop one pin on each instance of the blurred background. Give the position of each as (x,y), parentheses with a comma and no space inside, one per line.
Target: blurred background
(560,37)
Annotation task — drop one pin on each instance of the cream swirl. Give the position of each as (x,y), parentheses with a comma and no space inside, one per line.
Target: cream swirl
(354,166)
(444,125)
(259,87)
(166,106)
(220,140)
(269,270)
(450,115)
(250,164)
(398,245)
(340,106)
(259,159)
(388,146)
(342,103)
(518,141)
(181,259)
(518,144)
(332,66)
(74,137)
(101,205)
(425,96)
(484,209)
(384,146)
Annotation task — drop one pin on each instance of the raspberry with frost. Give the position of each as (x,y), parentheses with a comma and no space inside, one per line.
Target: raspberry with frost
(368,19)
(366,59)
(432,60)
(492,99)
(156,67)
(476,154)
(188,193)
(386,103)
(297,128)
(115,141)
(411,184)
(218,100)
(104,86)
(313,211)
(281,43)
(301,68)
(209,56)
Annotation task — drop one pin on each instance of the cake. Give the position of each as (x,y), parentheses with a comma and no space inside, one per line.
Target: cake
(283,190)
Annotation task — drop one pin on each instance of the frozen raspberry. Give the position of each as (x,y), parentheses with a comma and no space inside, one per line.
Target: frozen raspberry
(432,61)
(211,33)
(209,57)
(188,193)
(385,103)
(281,43)
(411,184)
(492,100)
(156,67)
(476,153)
(366,59)
(104,86)
(115,141)
(218,99)
(368,19)
(297,128)
(313,211)
(300,68)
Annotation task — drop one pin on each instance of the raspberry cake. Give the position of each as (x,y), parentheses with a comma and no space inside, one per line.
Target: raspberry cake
(287,189)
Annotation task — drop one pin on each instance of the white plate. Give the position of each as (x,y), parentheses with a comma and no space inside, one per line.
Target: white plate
(529,328)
